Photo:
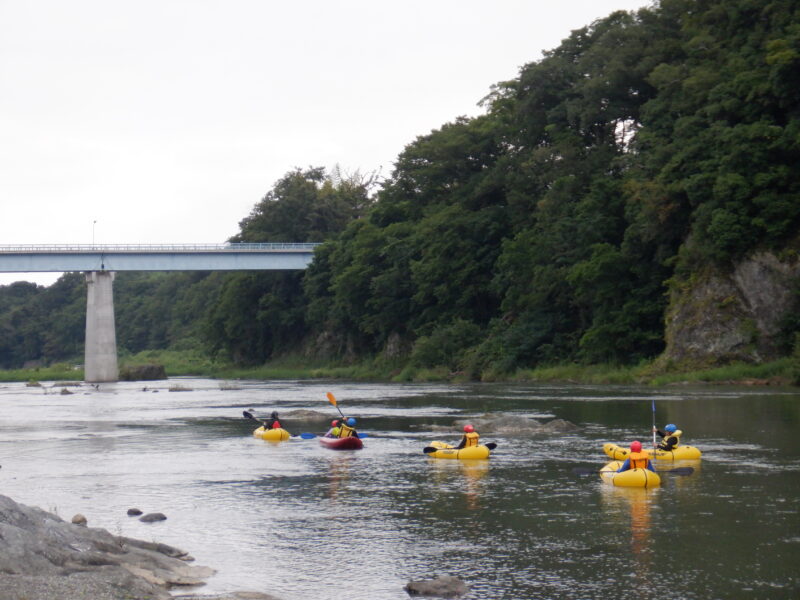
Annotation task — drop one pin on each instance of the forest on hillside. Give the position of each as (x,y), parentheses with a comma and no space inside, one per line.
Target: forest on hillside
(646,148)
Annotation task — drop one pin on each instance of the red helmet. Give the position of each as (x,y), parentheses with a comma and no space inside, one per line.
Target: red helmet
(636,446)
(468,428)
(334,423)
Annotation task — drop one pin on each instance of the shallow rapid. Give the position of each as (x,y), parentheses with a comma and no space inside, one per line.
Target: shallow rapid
(298,520)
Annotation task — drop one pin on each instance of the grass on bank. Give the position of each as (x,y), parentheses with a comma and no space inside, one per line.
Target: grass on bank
(193,363)
(782,371)
(55,372)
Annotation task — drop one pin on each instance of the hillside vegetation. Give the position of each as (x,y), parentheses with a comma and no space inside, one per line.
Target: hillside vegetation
(648,152)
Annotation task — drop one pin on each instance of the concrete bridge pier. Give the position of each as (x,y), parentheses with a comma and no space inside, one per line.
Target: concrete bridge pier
(100,363)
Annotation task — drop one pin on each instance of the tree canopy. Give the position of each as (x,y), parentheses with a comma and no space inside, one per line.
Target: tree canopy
(646,147)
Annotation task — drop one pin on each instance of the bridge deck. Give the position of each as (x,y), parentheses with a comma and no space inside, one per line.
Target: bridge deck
(154,257)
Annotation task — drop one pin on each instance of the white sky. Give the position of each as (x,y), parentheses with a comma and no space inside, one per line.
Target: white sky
(166,121)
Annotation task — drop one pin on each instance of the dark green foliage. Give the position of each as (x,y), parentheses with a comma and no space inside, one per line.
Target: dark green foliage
(643,143)
(646,147)
(42,324)
(258,315)
(446,345)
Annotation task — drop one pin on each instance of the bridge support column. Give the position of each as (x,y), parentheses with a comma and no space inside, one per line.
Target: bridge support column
(100,363)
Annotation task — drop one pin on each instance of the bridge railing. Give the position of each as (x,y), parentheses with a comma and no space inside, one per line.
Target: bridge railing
(155,248)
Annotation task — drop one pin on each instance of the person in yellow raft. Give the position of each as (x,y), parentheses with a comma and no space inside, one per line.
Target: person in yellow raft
(670,437)
(470,437)
(637,459)
(272,422)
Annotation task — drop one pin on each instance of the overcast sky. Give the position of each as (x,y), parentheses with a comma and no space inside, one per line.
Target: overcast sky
(138,122)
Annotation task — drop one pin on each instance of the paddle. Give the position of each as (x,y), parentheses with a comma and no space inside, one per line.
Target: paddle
(305,436)
(429,449)
(654,424)
(332,400)
(678,471)
(675,471)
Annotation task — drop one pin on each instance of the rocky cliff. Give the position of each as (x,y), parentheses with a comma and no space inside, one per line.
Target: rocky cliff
(717,318)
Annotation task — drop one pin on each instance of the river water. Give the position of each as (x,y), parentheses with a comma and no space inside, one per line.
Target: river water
(301,521)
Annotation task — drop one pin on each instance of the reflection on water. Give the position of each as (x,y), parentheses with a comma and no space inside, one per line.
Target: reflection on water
(464,475)
(634,506)
(292,519)
(338,472)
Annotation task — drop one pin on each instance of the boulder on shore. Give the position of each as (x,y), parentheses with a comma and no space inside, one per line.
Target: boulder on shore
(44,557)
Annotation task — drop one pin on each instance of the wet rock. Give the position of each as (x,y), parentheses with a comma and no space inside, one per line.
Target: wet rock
(79,519)
(497,423)
(231,596)
(445,586)
(153,517)
(65,392)
(134,512)
(306,415)
(42,556)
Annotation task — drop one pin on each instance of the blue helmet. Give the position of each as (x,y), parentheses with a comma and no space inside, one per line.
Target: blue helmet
(671,428)
(351,421)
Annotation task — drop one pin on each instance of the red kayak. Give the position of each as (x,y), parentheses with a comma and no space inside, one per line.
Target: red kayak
(348,443)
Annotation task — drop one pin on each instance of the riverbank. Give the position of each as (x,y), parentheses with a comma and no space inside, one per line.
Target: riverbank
(782,372)
(46,558)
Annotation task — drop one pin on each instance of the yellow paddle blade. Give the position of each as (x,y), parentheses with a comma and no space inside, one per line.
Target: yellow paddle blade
(331,398)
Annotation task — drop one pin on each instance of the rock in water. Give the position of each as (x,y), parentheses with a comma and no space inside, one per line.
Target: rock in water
(153,517)
(445,586)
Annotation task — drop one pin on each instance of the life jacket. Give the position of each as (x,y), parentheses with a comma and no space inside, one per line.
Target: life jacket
(346,431)
(472,439)
(677,435)
(639,459)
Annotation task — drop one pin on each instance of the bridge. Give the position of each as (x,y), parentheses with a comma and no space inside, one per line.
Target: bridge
(166,257)
(100,262)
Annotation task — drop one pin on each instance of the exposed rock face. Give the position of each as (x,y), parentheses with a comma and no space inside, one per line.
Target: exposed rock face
(42,556)
(720,318)
(396,346)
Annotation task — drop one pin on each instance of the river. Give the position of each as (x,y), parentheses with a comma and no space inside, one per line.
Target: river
(301,521)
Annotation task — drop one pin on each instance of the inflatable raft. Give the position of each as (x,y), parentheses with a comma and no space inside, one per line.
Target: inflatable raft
(639,478)
(271,435)
(680,453)
(346,443)
(447,451)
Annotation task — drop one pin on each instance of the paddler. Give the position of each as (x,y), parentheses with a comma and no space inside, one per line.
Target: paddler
(637,459)
(470,437)
(334,430)
(272,422)
(347,428)
(670,437)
